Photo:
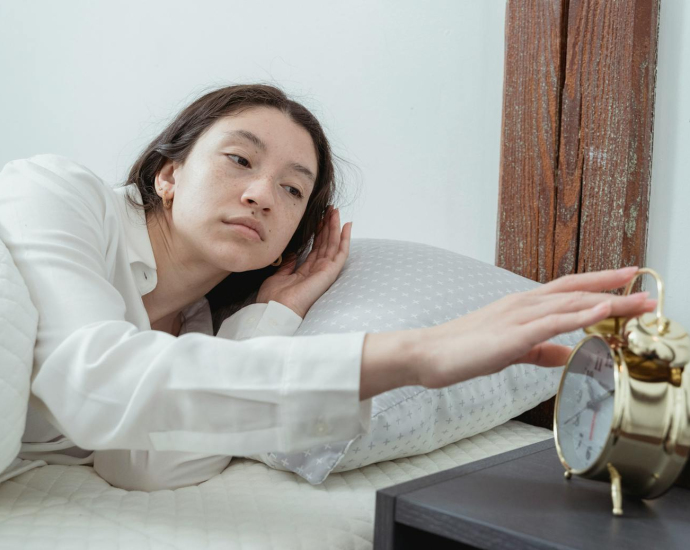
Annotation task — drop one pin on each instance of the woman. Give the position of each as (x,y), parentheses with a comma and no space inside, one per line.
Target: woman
(125,362)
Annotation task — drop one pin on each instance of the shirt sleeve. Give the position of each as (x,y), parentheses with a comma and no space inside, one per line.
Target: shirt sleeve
(106,384)
(272,319)
(137,470)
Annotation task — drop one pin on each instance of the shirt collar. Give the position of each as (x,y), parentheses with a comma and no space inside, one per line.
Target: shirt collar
(139,250)
(197,316)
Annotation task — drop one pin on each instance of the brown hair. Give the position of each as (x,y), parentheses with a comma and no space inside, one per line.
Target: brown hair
(176,141)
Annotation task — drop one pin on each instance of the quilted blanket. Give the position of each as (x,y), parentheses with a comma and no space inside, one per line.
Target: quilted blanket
(249,506)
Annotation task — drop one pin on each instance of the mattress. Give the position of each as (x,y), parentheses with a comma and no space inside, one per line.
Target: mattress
(249,506)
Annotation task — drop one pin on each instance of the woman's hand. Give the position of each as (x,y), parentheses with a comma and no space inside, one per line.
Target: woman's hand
(515,329)
(299,289)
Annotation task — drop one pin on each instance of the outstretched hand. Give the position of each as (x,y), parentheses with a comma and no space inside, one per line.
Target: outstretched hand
(516,328)
(299,288)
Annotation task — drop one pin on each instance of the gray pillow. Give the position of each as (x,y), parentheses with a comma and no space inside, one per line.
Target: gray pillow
(391,285)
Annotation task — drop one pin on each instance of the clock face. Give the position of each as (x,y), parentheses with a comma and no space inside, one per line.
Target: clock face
(585,404)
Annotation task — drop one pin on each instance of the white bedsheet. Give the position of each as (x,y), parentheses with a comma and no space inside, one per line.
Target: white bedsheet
(249,506)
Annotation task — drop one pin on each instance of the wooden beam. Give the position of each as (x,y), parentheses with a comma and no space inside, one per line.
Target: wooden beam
(575,179)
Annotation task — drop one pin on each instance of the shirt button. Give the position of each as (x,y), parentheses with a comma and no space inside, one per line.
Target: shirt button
(251,319)
(272,322)
(322,428)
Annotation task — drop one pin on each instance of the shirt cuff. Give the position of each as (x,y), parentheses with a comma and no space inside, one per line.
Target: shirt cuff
(272,319)
(321,387)
(292,394)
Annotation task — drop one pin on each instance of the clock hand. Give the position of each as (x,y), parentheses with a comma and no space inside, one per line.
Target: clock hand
(591,402)
(574,416)
(590,389)
(603,397)
(591,429)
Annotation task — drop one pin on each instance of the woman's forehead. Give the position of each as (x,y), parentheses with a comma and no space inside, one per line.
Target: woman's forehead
(257,118)
(265,128)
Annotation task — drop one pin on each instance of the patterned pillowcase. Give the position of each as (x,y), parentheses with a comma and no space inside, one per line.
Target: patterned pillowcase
(391,285)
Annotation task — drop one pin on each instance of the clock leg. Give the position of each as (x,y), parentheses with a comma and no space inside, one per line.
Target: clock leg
(616,494)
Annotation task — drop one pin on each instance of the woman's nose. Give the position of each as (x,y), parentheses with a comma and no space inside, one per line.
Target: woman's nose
(260,193)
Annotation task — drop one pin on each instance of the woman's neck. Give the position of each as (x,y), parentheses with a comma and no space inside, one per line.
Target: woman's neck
(172,324)
(180,282)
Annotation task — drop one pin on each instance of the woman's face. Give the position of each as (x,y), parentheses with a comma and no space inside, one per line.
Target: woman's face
(257,164)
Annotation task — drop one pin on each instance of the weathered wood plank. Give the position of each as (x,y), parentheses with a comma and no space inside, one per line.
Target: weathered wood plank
(534,72)
(605,150)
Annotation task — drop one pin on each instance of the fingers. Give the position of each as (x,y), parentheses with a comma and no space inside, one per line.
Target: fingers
(596,281)
(334,242)
(546,354)
(333,234)
(324,234)
(339,242)
(546,327)
(318,235)
(568,302)
(344,250)
(329,243)
(326,230)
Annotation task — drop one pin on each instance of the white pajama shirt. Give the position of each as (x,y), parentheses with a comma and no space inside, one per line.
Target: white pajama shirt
(160,411)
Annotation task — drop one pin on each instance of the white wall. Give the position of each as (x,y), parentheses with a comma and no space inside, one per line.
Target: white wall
(668,242)
(408,91)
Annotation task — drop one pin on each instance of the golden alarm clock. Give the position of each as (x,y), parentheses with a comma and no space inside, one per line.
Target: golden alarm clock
(622,409)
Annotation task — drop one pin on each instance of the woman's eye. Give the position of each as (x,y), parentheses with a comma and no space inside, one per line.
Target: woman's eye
(298,194)
(239,160)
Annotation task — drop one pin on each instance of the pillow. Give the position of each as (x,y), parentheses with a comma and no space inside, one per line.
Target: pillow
(389,285)
(18,324)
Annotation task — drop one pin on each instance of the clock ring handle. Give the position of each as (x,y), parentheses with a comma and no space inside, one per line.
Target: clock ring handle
(662,323)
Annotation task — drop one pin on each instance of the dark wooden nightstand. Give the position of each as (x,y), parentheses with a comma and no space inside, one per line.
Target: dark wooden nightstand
(520,499)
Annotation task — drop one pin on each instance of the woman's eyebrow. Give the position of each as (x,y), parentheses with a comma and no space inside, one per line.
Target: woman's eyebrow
(256,140)
(246,134)
(303,170)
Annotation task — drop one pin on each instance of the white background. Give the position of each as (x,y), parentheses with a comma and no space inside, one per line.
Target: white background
(409,92)
(668,243)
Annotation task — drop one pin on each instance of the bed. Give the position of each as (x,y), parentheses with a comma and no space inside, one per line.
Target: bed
(252,506)
(247,506)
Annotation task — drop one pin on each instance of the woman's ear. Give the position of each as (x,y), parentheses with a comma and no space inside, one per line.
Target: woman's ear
(165,180)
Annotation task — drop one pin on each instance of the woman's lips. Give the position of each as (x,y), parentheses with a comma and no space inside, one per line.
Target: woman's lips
(244,230)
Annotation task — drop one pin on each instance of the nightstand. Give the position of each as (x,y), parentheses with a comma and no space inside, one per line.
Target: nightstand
(520,499)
